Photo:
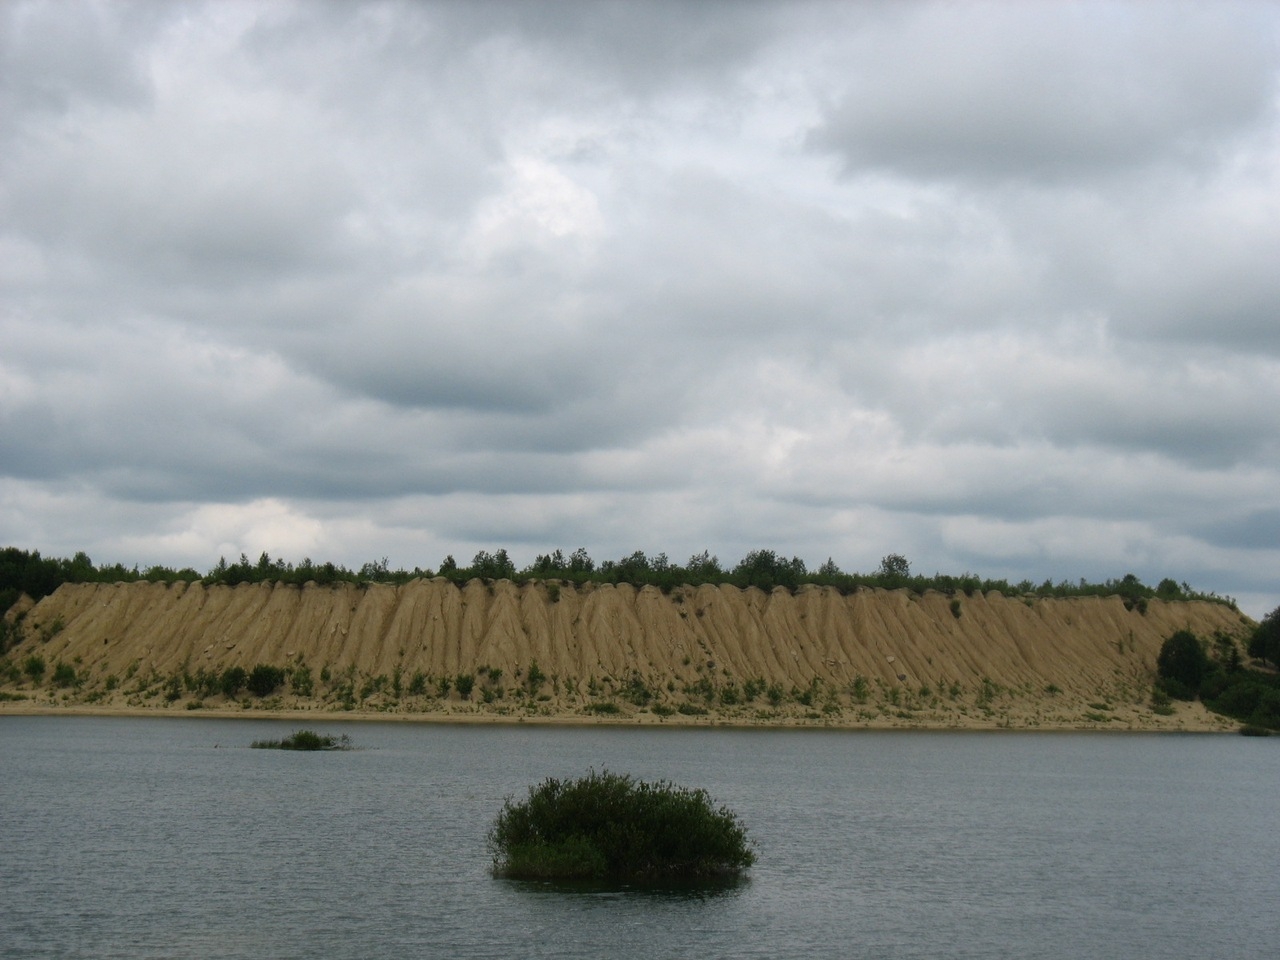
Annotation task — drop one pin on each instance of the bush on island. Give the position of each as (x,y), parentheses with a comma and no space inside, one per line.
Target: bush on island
(305,740)
(609,826)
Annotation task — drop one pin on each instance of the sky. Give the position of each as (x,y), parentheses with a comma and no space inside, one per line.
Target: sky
(992,286)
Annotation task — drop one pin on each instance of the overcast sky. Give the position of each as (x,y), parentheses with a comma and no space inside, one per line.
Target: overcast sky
(993,286)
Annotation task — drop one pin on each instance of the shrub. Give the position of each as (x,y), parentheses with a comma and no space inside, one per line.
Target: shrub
(1183,660)
(232,681)
(534,679)
(305,740)
(465,683)
(33,666)
(607,825)
(302,682)
(64,675)
(264,680)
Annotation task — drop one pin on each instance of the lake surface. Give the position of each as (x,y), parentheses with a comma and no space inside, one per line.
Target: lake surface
(169,837)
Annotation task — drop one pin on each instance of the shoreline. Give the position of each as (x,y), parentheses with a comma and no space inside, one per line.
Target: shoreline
(1192,718)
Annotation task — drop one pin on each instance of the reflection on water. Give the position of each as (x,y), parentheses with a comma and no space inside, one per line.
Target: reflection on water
(150,838)
(673,890)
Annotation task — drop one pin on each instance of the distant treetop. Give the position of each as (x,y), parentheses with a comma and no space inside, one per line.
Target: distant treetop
(30,573)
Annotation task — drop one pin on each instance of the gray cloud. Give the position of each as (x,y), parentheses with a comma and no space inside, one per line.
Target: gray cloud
(1051,91)
(988,285)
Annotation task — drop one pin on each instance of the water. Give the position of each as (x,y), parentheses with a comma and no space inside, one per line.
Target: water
(170,838)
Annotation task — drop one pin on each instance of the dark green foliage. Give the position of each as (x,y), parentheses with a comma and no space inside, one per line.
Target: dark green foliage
(1161,703)
(301,681)
(637,691)
(64,675)
(1183,661)
(232,681)
(603,706)
(23,572)
(766,570)
(34,666)
(955,607)
(10,632)
(305,740)
(533,680)
(1250,696)
(264,680)
(1265,642)
(607,825)
(895,567)
(465,683)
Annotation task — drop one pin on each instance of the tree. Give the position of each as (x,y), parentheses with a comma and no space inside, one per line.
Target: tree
(895,567)
(1265,642)
(766,570)
(1183,661)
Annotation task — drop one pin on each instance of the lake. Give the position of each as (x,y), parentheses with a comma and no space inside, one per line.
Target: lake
(169,837)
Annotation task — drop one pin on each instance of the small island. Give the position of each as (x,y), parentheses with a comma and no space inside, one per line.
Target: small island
(607,826)
(305,740)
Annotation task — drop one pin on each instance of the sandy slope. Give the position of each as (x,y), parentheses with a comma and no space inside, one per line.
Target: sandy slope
(1002,661)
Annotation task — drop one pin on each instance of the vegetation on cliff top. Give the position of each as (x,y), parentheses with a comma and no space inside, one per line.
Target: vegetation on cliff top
(36,576)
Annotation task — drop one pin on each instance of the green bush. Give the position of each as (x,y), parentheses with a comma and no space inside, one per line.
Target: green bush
(34,666)
(301,681)
(305,740)
(607,825)
(232,681)
(64,675)
(264,680)
(1183,660)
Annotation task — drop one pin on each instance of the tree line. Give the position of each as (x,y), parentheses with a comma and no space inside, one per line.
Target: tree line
(27,572)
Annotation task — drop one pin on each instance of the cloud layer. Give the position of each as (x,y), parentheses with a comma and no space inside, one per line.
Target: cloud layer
(990,286)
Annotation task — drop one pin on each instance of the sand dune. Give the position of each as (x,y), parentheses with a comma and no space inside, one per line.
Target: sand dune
(874,657)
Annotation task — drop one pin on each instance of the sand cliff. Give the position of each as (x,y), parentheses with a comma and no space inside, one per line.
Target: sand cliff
(873,657)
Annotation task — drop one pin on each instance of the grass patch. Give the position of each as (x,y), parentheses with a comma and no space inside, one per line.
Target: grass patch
(305,740)
(609,826)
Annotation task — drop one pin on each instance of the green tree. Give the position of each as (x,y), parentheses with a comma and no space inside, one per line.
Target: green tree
(1265,642)
(1182,660)
(895,567)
